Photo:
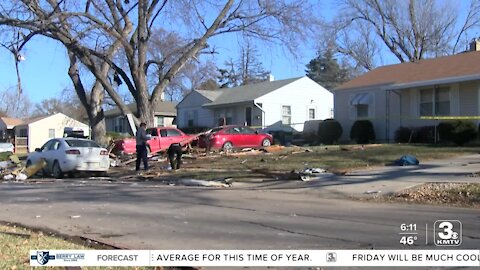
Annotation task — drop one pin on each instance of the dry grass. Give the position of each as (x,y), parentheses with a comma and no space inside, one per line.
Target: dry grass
(16,243)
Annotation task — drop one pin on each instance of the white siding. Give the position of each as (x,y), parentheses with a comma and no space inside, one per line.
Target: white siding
(192,103)
(300,96)
(38,132)
(464,101)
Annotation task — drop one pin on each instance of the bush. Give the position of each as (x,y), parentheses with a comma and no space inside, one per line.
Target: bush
(425,134)
(403,135)
(362,132)
(444,130)
(459,132)
(329,131)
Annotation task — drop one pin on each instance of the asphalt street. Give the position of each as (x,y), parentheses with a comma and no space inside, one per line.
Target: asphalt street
(149,215)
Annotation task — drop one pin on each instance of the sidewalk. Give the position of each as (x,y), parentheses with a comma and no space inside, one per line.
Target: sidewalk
(384,180)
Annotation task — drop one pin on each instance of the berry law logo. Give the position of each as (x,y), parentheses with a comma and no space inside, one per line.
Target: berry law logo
(43,257)
(448,233)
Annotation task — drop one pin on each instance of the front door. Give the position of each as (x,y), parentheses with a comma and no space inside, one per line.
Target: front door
(248,116)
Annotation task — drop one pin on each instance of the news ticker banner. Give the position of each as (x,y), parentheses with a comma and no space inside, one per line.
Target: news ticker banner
(255,258)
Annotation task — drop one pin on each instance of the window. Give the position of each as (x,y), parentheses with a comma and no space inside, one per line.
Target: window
(160,121)
(247,130)
(311,114)
(163,133)
(54,146)
(153,132)
(51,133)
(173,133)
(435,102)
(119,124)
(234,130)
(362,110)
(82,143)
(191,117)
(286,115)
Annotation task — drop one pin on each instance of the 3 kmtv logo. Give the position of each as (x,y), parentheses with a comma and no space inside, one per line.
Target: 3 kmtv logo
(448,233)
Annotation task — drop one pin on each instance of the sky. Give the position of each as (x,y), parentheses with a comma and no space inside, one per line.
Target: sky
(44,71)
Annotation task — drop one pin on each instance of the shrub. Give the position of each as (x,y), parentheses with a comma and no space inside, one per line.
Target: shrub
(329,131)
(444,130)
(362,132)
(458,131)
(403,135)
(425,134)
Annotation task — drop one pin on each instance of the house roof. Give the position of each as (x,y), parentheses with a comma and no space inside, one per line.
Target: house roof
(459,67)
(11,122)
(163,108)
(247,92)
(34,119)
(211,94)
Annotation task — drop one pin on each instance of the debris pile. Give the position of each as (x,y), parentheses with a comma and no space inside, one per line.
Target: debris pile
(13,169)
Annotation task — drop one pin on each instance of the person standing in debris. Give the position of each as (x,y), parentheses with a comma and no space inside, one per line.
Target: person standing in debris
(141,139)
(174,153)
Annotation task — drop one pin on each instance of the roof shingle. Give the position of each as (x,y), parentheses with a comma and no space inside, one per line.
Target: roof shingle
(459,65)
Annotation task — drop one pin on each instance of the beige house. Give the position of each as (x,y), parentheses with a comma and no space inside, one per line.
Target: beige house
(7,126)
(415,94)
(34,132)
(165,114)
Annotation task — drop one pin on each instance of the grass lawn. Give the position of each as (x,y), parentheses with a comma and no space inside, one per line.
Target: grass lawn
(332,158)
(16,243)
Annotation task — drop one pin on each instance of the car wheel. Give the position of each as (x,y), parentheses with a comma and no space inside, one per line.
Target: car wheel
(266,143)
(56,170)
(227,147)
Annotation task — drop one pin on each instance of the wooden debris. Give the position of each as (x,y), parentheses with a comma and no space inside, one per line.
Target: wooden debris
(33,169)
(273,148)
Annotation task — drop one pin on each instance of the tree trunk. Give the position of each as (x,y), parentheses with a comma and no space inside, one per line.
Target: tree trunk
(145,113)
(96,116)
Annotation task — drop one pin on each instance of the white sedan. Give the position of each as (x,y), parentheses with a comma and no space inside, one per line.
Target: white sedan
(69,155)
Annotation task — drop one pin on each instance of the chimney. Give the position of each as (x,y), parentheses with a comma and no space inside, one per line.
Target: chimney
(475,45)
(271,78)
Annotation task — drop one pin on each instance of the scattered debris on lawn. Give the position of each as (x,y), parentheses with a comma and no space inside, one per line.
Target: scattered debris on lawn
(202,183)
(406,160)
(373,192)
(14,169)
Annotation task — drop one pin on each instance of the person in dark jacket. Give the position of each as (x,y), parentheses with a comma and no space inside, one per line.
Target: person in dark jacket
(174,153)
(141,142)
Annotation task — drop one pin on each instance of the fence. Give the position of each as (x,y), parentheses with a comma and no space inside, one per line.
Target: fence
(21,145)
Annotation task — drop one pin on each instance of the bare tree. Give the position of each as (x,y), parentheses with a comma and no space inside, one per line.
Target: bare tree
(15,104)
(410,30)
(68,104)
(93,31)
(246,70)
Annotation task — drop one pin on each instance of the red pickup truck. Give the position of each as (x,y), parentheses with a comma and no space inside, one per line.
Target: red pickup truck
(162,138)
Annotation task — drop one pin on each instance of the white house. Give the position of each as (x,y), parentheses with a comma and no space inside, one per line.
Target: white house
(35,132)
(289,102)
(164,116)
(415,94)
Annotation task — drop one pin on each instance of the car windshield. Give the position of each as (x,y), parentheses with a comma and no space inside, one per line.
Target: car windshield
(81,143)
